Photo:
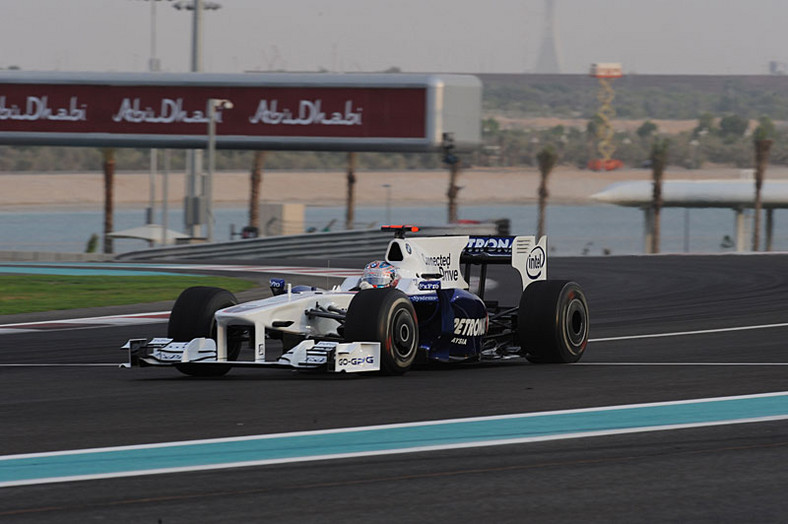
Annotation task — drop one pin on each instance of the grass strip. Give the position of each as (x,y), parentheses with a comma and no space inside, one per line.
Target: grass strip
(34,293)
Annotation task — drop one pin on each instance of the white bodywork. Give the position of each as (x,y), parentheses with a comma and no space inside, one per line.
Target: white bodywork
(438,258)
(430,255)
(276,311)
(416,259)
(434,261)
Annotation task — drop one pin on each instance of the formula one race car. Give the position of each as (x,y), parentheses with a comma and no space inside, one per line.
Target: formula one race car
(414,306)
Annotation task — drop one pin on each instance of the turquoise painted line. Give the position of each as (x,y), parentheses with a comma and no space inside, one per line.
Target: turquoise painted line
(174,457)
(68,271)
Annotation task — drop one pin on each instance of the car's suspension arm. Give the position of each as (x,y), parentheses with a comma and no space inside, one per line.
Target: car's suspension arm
(331,312)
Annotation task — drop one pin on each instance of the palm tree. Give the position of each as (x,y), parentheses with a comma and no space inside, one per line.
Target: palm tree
(451,159)
(659,159)
(256,179)
(547,158)
(350,212)
(763,145)
(109,191)
(454,189)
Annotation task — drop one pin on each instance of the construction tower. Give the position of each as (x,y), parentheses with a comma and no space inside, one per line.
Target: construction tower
(605,73)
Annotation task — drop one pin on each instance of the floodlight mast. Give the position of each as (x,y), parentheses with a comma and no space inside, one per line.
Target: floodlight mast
(214,104)
(605,72)
(195,206)
(197,7)
(154,65)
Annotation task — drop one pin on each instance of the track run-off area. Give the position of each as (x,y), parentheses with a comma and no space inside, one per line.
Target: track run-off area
(677,411)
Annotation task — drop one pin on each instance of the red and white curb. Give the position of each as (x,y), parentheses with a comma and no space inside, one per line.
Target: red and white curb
(291,270)
(284,270)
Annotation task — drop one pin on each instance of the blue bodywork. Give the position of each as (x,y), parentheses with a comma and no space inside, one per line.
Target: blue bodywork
(452,324)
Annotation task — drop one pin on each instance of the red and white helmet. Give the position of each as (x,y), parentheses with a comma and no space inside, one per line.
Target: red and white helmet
(380,274)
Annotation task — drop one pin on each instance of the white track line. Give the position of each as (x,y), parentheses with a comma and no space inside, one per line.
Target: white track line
(683,333)
(721,364)
(395,425)
(389,452)
(552,436)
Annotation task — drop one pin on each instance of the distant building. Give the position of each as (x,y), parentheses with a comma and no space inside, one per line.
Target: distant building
(549,61)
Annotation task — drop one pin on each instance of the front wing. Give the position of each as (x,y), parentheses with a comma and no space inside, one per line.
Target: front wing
(329,356)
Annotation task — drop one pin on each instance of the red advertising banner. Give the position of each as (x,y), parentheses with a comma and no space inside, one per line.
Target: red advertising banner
(297,112)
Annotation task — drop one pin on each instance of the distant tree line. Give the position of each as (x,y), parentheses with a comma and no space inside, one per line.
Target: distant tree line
(640,98)
(723,140)
(718,140)
(721,136)
(85,159)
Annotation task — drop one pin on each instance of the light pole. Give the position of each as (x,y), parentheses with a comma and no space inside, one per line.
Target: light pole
(213,105)
(165,197)
(154,65)
(195,156)
(196,7)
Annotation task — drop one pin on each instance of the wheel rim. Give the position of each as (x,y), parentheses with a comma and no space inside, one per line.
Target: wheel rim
(402,336)
(576,325)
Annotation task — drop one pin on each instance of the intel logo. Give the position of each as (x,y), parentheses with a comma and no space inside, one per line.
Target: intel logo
(537,259)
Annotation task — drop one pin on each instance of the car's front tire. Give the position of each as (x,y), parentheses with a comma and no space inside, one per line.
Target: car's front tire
(192,317)
(553,322)
(386,316)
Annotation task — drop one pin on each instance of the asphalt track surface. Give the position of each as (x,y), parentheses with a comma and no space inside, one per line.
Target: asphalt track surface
(729,473)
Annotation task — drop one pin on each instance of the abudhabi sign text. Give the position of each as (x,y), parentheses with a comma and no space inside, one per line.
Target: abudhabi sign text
(310,112)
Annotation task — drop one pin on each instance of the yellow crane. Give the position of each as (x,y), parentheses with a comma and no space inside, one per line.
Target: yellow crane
(605,73)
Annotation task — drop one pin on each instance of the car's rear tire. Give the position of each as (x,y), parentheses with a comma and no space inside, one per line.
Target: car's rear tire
(386,316)
(553,322)
(192,317)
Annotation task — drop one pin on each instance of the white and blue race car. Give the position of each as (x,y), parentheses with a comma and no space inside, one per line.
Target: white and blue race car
(423,313)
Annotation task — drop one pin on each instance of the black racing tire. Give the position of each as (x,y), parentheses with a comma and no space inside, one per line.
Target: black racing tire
(386,316)
(553,322)
(192,317)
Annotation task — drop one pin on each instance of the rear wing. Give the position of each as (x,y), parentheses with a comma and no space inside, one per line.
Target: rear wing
(441,258)
(524,253)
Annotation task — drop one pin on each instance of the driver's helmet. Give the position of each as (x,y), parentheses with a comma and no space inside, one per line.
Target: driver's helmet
(379,274)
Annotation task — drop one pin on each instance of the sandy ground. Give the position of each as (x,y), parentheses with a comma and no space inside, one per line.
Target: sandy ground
(479,186)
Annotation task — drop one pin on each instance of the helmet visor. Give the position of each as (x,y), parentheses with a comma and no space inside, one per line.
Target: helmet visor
(377,277)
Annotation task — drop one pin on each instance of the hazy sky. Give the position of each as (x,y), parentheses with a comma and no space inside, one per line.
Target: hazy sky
(647,36)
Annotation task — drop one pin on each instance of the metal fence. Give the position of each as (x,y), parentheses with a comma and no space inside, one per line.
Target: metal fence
(361,243)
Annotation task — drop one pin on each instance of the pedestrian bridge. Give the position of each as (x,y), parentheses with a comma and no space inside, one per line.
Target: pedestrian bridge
(738,195)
